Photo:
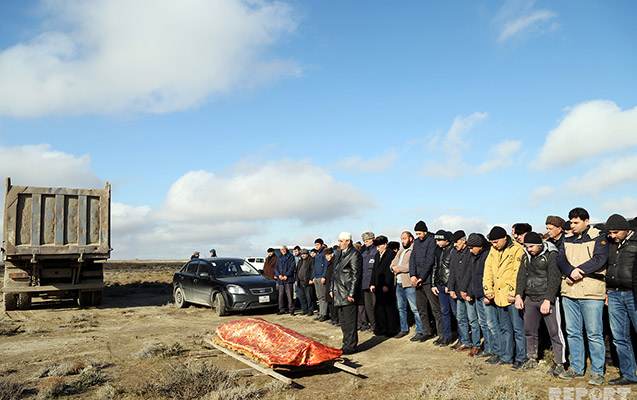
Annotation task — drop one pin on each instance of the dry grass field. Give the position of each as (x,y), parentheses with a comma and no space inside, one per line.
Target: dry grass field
(138,346)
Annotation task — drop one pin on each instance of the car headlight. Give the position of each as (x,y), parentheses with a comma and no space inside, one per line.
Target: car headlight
(235,289)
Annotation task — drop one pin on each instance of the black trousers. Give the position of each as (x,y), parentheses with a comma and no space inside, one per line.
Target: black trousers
(366,316)
(424,300)
(285,293)
(386,313)
(347,317)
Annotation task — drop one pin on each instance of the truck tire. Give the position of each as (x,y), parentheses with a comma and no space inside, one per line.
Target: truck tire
(220,305)
(180,300)
(85,299)
(97,298)
(10,301)
(24,301)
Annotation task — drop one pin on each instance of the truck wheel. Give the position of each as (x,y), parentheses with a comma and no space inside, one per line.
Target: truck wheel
(10,301)
(180,300)
(97,298)
(24,301)
(85,299)
(220,305)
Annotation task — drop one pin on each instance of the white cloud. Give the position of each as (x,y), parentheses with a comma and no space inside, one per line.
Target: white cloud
(535,20)
(606,174)
(455,222)
(274,190)
(540,194)
(626,206)
(590,128)
(110,56)
(40,165)
(370,165)
(501,155)
(455,143)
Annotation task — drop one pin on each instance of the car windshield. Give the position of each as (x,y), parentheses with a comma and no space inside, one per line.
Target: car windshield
(234,268)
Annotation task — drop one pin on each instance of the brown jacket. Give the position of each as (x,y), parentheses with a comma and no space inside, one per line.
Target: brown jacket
(268,266)
(401,263)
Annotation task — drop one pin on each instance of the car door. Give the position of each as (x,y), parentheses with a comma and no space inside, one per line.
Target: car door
(186,279)
(202,283)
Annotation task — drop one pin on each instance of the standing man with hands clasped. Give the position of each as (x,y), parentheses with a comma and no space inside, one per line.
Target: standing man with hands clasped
(345,290)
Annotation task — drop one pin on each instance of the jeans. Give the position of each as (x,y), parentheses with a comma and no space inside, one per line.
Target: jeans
(621,313)
(481,310)
(406,296)
(446,312)
(463,321)
(472,316)
(495,342)
(586,314)
(321,293)
(513,341)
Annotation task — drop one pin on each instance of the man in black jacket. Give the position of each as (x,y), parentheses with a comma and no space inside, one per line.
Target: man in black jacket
(459,264)
(421,265)
(383,288)
(345,289)
(366,304)
(620,279)
(440,279)
(537,285)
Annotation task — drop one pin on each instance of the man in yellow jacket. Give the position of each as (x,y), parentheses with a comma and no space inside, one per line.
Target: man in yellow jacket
(500,274)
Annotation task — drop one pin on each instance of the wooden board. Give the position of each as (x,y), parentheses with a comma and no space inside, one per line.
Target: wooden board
(263,370)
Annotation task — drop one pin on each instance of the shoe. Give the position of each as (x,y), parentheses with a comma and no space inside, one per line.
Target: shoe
(557,370)
(323,319)
(484,354)
(596,380)
(444,343)
(475,351)
(493,360)
(500,362)
(363,328)
(401,334)
(292,313)
(531,363)
(418,337)
(348,351)
(438,341)
(456,345)
(569,374)
(280,313)
(463,347)
(621,381)
(517,365)
(309,314)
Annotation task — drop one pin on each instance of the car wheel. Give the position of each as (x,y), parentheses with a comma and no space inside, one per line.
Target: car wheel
(180,300)
(220,305)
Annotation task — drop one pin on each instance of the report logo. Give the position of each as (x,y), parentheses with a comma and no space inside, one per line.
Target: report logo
(582,393)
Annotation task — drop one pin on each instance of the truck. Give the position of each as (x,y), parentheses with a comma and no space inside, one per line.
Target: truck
(55,241)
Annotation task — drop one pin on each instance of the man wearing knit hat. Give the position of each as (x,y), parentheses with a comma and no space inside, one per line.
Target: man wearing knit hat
(622,261)
(366,319)
(459,264)
(476,309)
(555,230)
(500,274)
(538,283)
(440,279)
(421,265)
(582,259)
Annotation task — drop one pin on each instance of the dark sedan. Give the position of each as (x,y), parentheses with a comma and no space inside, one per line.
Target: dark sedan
(226,284)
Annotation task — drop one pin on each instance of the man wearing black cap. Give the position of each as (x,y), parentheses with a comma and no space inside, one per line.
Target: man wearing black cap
(538,283)
(320,269)
(519,230)
(459,265)
(440,279)
(476,309)
(366,318)
(500,274)
(620,278)
(420,268)
(384,290)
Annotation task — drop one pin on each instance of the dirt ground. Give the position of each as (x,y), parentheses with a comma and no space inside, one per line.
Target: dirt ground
(136,313)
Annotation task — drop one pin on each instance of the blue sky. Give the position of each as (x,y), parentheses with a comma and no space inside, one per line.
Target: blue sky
(240,125)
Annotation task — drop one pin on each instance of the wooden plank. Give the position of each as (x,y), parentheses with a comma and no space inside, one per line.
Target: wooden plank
(81,224)
(59,220)
(347,369)
(263,370)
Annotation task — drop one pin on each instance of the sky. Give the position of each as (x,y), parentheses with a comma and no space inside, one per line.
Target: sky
(240,125)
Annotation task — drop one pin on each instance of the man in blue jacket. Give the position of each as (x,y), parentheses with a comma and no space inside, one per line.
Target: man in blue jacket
(320,269)
(421,263)
(284,276)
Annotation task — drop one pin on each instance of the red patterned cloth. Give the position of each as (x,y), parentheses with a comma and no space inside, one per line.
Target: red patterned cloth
(272,344)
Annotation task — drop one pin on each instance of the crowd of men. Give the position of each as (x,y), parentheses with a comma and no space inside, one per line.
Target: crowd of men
(485,296)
